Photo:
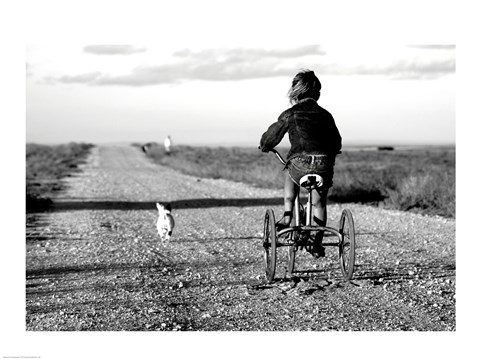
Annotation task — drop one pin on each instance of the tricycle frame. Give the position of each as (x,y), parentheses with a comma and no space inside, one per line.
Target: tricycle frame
(299,236)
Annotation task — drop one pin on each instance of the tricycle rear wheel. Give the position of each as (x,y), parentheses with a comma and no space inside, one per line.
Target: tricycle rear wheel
(270,245)
(346,246)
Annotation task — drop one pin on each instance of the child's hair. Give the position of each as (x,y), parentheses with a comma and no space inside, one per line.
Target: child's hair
(304,85)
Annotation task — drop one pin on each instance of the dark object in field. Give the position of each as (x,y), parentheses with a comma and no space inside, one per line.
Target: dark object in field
(385,148)
(146,147)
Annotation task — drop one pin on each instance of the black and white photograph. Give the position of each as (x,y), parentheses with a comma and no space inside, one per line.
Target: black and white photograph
(218,179)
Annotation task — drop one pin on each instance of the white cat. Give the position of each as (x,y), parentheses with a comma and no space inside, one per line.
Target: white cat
(165,222)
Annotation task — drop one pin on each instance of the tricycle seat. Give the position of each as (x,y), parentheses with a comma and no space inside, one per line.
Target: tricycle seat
(311,181)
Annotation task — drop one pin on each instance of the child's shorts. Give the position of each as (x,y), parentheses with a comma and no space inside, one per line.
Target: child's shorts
(312,164)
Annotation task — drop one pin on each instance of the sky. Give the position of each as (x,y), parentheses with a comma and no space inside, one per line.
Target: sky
(220,94)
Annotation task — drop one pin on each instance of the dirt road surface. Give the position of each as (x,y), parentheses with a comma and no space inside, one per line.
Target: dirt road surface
(96,262)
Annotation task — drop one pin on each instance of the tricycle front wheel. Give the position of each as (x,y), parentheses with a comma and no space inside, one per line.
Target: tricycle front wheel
(270,245)
(346,246)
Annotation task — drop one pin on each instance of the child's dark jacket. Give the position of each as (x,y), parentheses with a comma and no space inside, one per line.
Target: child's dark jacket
(310,127)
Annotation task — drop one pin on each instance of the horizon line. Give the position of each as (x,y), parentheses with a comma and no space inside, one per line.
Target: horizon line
(349,144)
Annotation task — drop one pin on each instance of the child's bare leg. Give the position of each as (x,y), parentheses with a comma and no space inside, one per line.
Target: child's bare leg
(290,191)
(319,202)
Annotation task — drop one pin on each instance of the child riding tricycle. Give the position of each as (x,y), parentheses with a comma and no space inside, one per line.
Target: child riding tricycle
(315,142)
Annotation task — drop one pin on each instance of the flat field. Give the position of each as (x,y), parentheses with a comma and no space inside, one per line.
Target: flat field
(47,166)
(420,179)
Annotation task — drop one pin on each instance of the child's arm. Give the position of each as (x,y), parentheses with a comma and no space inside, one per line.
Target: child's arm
(274,134)
(337,139)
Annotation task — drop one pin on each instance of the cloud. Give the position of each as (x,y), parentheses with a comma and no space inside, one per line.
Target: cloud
(112,49)
(209,65)
(401,70)
(422,70)
(255,63)
(87,78)
(245,54)
(433,47)
(168,74)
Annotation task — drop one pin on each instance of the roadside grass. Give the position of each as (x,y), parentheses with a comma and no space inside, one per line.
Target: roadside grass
(420,180)
(46,166)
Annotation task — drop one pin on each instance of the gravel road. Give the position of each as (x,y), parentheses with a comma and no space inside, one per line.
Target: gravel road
(96,263)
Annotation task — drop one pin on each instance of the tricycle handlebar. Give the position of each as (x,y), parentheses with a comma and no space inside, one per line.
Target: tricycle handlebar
(282,160)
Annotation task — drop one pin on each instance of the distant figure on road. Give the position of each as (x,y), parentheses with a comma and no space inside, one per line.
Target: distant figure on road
(168,144)
(315,141)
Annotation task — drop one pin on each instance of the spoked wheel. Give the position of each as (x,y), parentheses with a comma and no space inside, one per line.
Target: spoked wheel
(270,245)
(346,247)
